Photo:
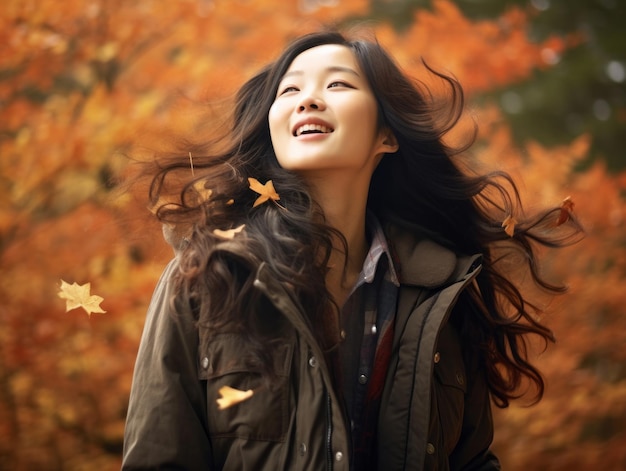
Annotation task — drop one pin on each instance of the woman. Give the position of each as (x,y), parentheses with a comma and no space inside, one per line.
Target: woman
(337,300)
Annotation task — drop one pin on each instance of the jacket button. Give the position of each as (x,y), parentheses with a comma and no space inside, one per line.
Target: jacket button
(312,362)
(430,449)
(338,456)
(302,449)
(342,334)
(437,357)
(362,379)
(460,379)
(205,363)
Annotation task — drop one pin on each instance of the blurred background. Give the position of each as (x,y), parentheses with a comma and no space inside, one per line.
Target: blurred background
(83,82)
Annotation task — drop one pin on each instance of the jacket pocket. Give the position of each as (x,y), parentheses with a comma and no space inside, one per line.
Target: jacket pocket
(450,386)
(264,415)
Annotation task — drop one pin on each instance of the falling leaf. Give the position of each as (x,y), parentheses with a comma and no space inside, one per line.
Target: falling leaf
(266,191)
(76,296)
(567,206)
(231,396)
(205,193)
(509,225)
(229,233)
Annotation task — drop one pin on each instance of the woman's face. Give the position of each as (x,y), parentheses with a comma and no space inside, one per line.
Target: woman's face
(324,117)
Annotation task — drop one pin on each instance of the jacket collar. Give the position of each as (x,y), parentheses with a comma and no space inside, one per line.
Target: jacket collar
(424,263)
(418,262)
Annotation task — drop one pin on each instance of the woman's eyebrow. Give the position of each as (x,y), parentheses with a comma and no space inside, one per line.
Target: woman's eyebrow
(333,68)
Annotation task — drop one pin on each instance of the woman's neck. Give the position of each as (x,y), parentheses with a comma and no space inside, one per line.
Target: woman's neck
(344,205)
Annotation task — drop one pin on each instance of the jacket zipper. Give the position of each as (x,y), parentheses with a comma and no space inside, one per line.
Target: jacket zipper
(329,434)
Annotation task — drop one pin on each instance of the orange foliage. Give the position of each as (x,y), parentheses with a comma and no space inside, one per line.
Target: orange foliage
(481,54)
(584,408)
(82,81)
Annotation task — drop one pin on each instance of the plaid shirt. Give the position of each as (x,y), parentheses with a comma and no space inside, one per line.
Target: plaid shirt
(367,320)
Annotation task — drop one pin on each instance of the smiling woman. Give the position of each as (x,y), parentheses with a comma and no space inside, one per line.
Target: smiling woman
(339,298)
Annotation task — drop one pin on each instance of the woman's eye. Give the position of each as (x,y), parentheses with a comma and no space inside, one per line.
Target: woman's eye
(288,90)
(339,84)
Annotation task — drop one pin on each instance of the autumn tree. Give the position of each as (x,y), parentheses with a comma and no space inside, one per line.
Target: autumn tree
(85,86)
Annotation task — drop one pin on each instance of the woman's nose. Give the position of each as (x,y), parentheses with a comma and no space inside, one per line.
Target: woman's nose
(310,102)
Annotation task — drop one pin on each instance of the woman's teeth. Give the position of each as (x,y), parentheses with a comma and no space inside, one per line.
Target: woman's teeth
(312,128)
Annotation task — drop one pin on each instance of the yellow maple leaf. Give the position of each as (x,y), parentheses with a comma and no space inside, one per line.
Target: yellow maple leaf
(76,296)
(266,191)
(231,396)
(229,233)
(203,192)
(509,225)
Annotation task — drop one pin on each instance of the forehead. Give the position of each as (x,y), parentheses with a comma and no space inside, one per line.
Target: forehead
(324,57)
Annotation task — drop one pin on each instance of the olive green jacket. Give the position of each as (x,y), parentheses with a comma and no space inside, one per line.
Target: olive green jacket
(434,416)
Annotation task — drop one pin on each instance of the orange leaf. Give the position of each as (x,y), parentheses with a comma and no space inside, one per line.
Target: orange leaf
(509,225)
(266,191)
(231,396)
(76,296)
(229,233)
(567,206)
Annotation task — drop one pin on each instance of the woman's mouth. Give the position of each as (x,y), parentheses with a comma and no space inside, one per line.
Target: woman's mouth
(312,129)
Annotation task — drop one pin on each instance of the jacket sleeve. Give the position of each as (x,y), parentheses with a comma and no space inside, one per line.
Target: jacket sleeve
(166,423)
(472,452)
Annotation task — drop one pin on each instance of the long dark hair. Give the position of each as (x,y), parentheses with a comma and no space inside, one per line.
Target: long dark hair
(424,186)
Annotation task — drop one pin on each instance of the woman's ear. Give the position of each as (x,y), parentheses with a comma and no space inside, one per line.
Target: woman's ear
(388,142)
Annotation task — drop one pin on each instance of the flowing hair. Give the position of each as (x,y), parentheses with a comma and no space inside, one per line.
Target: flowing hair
(425,186)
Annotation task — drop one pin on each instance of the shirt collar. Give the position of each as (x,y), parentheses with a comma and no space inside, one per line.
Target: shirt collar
(378,248)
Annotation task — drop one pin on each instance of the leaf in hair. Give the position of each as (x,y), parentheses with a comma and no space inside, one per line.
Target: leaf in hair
(266,191)
(231,396)
(162,202)
(229,233)
(203,192)
(567,207)
(509,225)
